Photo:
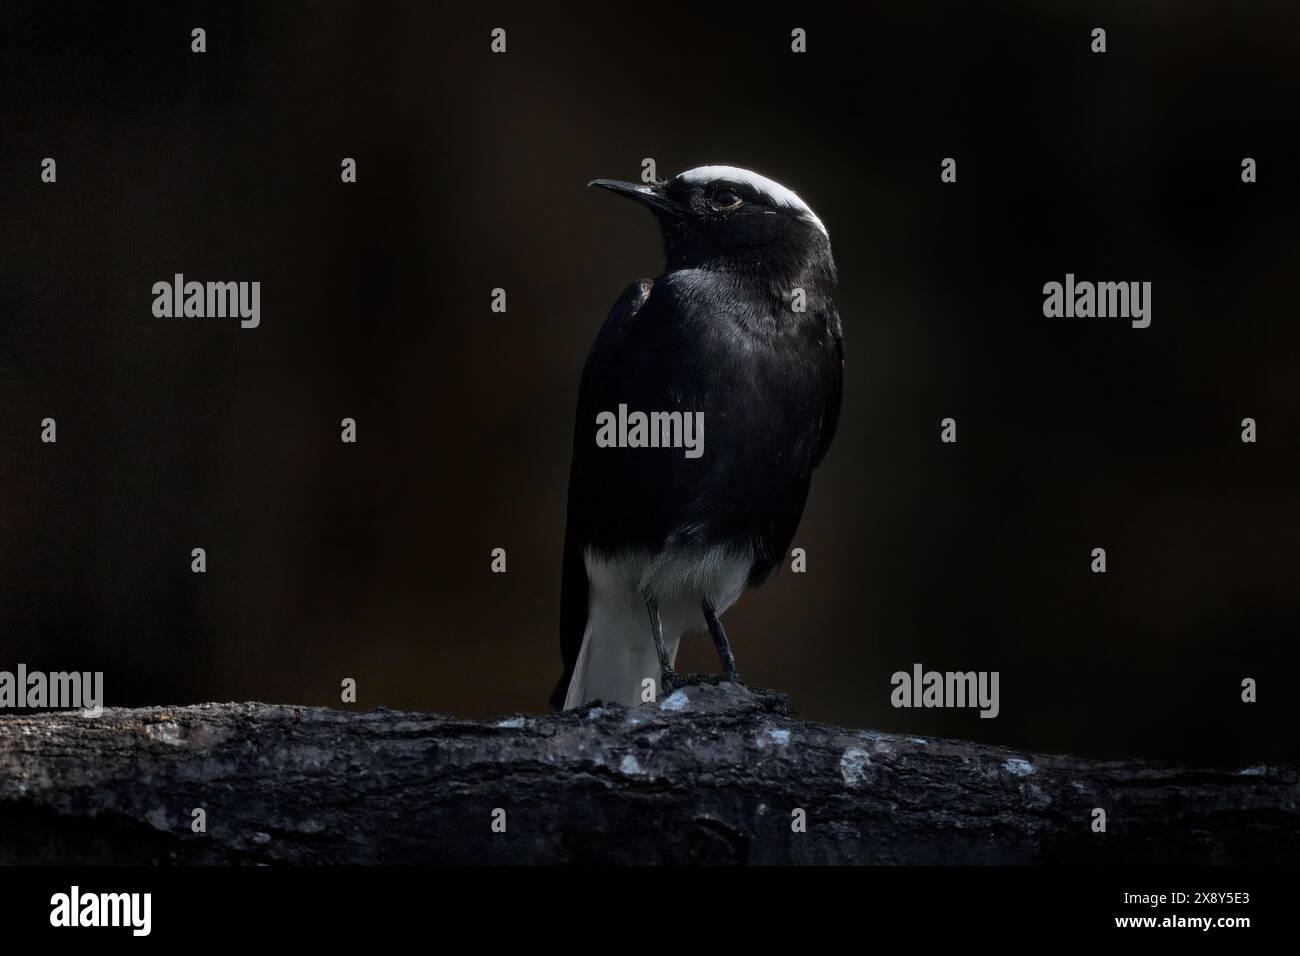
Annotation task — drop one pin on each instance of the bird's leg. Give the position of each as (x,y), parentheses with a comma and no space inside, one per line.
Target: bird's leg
(669,679)
(721,643)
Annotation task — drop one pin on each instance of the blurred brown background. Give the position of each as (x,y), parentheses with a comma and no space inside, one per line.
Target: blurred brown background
(372,561)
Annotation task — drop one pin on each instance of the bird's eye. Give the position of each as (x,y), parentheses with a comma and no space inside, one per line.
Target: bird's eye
(726,199)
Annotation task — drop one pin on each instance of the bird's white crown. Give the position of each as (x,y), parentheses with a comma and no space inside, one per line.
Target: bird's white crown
(771,189)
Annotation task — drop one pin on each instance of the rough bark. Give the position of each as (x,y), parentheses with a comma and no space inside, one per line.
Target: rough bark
(711,774)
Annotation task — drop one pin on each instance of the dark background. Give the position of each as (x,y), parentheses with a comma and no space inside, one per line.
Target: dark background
(372,560)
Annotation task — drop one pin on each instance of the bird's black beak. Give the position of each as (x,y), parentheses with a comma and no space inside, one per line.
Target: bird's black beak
(650,196)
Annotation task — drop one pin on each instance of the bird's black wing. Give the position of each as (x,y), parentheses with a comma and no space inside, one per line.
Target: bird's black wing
(835,383)
(781,518)
(595,374)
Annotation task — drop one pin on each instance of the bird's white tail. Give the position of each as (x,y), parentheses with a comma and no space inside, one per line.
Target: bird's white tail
(618,652)
(618,648)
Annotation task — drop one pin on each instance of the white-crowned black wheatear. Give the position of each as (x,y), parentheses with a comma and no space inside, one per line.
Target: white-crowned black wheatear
(741,335)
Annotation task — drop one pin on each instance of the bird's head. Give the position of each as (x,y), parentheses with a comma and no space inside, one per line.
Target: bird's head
(734,220)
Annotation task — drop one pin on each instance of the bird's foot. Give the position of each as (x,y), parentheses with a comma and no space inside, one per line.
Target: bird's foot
(711,679)
(671,680)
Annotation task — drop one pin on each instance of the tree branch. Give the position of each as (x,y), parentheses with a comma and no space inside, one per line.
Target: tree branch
(713,773)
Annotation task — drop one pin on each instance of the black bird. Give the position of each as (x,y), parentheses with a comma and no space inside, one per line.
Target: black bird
(741,328)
